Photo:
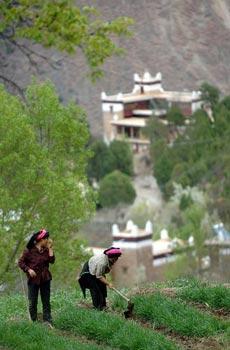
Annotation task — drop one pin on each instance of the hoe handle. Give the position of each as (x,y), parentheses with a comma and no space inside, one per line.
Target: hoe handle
(121,295)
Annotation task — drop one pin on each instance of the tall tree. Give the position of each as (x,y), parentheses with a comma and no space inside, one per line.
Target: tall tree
(43,158)
(61,25)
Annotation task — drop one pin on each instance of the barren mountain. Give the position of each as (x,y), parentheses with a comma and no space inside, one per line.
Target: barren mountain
(188,41)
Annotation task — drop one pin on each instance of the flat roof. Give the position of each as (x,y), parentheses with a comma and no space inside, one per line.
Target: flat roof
(178,96)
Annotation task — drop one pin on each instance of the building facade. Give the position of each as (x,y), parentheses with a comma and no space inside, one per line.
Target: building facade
(125,115)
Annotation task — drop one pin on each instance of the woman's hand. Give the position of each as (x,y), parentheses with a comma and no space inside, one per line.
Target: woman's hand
(49,244)
(110,285)
(32,273)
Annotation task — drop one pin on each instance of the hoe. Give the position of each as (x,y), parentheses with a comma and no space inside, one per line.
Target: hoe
(127,313)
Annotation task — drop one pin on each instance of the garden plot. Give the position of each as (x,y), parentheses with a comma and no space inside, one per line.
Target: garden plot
(160,322)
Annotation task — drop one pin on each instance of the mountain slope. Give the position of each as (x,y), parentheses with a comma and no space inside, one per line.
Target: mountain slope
(186,40)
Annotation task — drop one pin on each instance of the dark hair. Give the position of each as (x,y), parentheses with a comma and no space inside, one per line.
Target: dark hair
(34,239)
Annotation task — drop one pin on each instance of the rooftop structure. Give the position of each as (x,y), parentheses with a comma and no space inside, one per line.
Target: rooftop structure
(126,114)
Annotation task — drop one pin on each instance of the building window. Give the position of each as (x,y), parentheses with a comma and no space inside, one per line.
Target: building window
(136,133)
(127,131)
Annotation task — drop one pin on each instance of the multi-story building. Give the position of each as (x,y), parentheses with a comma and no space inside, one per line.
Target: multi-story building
(125,115)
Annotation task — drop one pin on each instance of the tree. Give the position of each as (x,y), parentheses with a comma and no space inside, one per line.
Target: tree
(175,116)
(105,159)
(193,218)
(43,158)
(102,161)
(123,157)
(60,25)
(116,188)
(156,130)
(209,94)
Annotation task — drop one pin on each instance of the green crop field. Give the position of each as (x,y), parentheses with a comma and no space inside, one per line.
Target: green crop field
(159,321)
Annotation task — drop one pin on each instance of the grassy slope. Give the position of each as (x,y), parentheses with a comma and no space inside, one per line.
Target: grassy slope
(82,328)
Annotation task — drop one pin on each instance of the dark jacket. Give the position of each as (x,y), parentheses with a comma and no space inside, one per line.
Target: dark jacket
(37,261)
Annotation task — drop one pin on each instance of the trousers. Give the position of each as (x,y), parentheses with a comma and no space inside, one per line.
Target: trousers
(97,288)
(33,290)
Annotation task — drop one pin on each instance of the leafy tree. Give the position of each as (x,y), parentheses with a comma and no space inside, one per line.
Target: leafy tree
(102,161)
(193,218)
(199,156)
(105,159)
(175,116)
(43,158)
(63,26)
(123,157)
(156,130)
(116,188)
(210,94)
(163,167)
(185,202)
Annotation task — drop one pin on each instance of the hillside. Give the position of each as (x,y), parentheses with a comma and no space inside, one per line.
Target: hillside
(184,315)
(187,40)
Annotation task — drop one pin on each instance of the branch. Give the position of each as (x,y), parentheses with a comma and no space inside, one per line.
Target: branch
(14,85)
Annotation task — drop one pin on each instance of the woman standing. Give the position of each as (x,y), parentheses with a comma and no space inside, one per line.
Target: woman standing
(92,276)
(35,262)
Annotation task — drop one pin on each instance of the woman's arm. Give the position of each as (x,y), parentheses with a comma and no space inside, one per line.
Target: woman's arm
(51,252)
(22,263)
(104,280)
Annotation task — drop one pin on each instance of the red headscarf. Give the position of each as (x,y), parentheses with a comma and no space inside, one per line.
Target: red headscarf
(113,252)
(42,234)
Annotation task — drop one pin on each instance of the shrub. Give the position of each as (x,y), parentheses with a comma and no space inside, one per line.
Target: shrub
(116,188)
(123,157)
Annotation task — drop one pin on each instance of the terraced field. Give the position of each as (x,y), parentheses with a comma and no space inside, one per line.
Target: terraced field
(189,316)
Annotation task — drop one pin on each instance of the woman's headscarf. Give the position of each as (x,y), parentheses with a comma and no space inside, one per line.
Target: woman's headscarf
(36,237)
(113,252)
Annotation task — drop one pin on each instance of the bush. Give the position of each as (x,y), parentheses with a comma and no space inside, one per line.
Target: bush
(102,161)
(122,155)
(116,188)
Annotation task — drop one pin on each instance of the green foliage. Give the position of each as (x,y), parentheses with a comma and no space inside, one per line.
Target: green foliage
(215,297)
(163,167)
(102,161)
(176,316)
(123,157)
(209,94)
(25,335)
(156,131)
(79,328)
(175,116)
(66,27)
(116,188)
(111,330)
(43,158)
(116,156)
(199,156)
(184,265)
(185,202)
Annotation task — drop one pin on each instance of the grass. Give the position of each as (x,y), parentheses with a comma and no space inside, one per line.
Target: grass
(176,316)
(217,297)
(81,328)
(101,327)
(111,330)
(30,336)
